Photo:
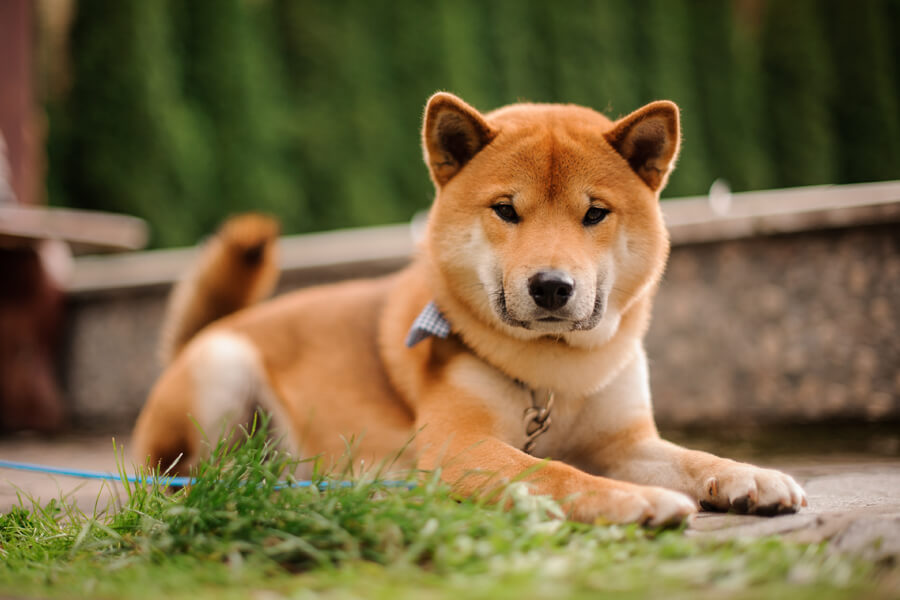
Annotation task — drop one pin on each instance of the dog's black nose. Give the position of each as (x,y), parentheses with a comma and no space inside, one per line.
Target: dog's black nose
(550,289)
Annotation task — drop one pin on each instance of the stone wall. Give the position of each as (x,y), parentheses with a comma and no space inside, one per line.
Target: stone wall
(799,327)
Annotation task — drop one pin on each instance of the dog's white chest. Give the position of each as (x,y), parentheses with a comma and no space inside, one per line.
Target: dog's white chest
(576,422)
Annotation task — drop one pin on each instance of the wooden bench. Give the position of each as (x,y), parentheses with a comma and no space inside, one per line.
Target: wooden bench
(85,231)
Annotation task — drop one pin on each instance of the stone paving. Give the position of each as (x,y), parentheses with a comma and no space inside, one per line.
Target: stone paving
(853,503)
(76,452)
(854,499)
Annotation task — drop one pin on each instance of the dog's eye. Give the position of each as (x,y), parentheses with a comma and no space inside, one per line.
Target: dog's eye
(506,212)
(594,215)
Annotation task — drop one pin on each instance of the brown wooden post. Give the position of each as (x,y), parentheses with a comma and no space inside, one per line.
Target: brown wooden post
(31,303)
(17,116)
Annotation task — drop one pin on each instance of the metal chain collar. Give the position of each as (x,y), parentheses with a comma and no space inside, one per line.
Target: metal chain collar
(537,420)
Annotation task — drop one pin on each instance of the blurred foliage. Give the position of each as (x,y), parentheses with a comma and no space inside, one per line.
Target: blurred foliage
(182,112)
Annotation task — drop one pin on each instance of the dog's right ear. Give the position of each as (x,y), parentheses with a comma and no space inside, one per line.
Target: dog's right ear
(452,134)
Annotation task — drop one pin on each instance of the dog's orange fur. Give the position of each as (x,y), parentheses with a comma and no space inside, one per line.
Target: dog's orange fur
(331,363)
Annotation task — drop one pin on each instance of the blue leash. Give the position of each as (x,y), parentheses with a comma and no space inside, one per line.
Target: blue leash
(175,482)
(83,474)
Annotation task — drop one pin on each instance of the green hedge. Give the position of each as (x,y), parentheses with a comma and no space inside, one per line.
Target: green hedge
(182,112)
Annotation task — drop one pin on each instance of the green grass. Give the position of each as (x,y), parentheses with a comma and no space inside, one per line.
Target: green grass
(237,532)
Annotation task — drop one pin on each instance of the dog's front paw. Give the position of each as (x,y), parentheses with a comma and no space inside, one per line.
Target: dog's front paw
(664,507)
(751,490)
(645,505)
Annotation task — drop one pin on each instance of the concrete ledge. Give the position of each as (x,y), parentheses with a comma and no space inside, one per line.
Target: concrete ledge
(725,216)
(356,249)
(777,307)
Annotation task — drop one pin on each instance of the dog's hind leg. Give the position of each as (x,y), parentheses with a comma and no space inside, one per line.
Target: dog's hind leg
(211,389)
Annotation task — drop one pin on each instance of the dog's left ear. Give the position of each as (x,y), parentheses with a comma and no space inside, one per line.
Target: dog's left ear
(453,133)
(648,139)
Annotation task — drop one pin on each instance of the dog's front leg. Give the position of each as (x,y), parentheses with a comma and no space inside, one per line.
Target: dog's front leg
(470,443)
(624,444)
(716,483)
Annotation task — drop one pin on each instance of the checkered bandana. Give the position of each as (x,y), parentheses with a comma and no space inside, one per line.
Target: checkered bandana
(429,322)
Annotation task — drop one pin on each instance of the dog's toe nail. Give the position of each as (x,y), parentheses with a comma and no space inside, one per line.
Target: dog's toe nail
(712,487)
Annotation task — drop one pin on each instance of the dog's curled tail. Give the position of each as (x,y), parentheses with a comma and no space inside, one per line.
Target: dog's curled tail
(237,267)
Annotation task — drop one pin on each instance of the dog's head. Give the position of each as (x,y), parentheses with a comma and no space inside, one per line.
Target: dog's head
(546,220)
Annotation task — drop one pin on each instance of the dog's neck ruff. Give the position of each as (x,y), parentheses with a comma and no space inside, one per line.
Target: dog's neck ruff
(431,322)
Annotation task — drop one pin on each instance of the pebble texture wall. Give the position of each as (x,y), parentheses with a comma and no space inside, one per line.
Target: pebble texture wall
(800,327)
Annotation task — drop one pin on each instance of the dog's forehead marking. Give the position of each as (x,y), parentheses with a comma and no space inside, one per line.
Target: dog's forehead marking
(547,151)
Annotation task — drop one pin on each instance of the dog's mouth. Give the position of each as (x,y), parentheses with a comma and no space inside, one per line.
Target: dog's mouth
(540,323)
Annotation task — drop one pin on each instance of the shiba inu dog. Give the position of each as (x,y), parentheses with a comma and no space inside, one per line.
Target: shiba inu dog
(511,344)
